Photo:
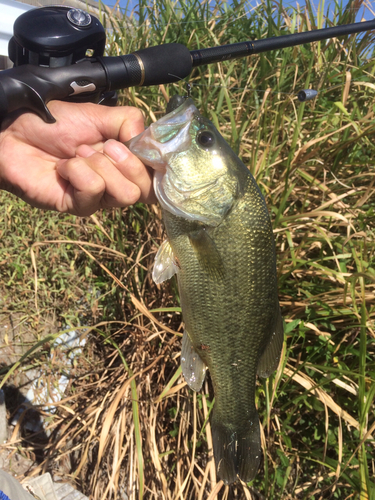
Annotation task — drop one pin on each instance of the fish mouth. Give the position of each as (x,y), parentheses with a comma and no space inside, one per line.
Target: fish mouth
(170,134)
(158,146)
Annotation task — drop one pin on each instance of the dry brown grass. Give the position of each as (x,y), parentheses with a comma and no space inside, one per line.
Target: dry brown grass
(128,423)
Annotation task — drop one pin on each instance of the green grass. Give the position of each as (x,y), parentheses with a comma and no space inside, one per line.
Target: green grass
(315,164)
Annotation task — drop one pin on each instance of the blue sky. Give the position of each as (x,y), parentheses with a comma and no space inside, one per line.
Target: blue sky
(363,13)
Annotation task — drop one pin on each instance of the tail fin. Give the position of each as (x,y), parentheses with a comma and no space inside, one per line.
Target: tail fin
(237,452)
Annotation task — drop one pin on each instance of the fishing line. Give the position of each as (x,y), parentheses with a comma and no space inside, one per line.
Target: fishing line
(190,85)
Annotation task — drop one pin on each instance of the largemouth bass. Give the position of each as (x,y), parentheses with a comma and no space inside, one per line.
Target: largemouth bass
(221,247)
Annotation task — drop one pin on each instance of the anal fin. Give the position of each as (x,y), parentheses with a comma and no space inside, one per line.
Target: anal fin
(193,368)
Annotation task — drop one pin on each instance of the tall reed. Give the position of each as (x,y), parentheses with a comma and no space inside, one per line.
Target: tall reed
(129,425)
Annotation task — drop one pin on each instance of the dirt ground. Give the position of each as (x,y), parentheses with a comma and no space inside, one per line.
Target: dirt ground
(20,454)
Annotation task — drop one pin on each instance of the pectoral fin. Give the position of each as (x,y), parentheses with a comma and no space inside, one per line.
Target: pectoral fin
(271,357)
(165,263)
(193,368)
(207,253)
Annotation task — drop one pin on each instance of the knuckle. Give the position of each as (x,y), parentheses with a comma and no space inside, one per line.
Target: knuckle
(95,185)
(135,114)
(89,180)
(133,195)
(75,163)
(137,168)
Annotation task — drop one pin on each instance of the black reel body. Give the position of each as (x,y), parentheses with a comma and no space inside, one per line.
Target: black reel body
(56,37)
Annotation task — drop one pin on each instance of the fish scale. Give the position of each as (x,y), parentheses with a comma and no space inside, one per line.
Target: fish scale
(225,314)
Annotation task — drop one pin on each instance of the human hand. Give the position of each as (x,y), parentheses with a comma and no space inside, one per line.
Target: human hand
(78,164)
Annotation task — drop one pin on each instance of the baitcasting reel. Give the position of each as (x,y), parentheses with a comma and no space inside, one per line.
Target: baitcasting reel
(57,36)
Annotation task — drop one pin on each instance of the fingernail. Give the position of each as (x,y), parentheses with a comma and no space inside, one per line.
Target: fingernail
(115,150)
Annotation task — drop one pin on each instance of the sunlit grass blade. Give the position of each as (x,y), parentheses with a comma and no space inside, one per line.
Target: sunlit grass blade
(314,162)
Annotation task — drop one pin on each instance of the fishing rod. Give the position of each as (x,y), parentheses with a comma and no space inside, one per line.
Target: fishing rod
(58,54)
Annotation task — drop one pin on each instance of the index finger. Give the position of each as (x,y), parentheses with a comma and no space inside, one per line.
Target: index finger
(103,122)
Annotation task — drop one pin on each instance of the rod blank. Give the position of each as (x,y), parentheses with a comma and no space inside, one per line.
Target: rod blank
(244,49)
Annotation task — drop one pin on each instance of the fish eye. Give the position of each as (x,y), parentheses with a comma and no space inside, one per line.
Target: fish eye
(206,139)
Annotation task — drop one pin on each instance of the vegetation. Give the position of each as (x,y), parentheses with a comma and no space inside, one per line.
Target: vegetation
(128,423)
